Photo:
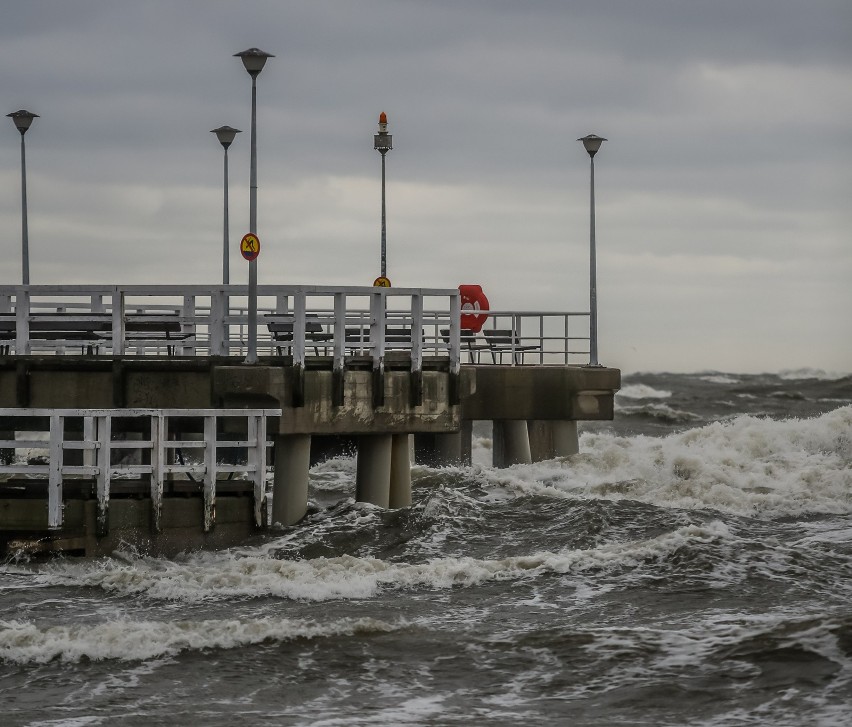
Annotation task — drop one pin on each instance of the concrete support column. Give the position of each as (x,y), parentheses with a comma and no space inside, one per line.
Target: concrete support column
(440,450)
(549,439)
(511,443)
(565,438)
(400,471)
(373,469)
(290,482)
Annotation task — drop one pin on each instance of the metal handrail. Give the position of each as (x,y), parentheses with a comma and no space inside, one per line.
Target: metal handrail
(97,444)
(339,322)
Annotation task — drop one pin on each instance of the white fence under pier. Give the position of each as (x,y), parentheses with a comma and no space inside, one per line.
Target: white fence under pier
(45,435)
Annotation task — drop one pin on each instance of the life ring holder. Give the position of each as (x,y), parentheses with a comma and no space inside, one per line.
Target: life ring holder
(473,300)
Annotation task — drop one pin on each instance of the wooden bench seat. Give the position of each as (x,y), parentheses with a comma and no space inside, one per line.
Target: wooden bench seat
(78,329)
(282,333)
(92,330)
(502,341)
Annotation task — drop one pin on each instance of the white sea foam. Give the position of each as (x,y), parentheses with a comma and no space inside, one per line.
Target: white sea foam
(642,391)
(744,466)
(663,412)
(711,642)
(810,373)
(227,575)
(26,642)
(719,379)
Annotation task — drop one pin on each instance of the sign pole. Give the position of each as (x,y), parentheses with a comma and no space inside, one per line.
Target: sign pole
(251,357)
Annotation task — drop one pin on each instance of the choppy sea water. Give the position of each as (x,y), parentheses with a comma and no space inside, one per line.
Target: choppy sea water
(691,566)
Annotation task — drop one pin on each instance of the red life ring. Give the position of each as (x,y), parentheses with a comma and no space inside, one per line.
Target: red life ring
(473,299)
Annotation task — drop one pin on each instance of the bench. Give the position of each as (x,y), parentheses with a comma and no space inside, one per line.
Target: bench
(91,330)
(82,329)
(282,333)
(502,341)
(358,339)
(469,342)
(155,329)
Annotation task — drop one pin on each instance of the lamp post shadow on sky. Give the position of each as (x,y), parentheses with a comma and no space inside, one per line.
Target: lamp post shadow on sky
(23,120)
(383,143)
(254,60)
(225,135)
(592,143)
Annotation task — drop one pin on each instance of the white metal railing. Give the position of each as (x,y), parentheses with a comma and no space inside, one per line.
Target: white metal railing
(528,337)
(212,320)
(295,321)
(53,432)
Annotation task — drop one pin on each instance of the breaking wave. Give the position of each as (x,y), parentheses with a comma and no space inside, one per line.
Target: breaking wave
(25,642)
(226,575)
(746,466)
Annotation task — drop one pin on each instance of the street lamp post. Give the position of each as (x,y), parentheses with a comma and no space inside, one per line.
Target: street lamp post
(592,144)
(23,119)
(383,143)
(253,59)
(225,135)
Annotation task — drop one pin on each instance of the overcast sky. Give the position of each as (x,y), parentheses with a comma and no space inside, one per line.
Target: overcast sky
(724,222)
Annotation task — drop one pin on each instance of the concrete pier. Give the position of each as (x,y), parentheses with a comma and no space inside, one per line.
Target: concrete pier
(549,439)
(400,472)
(511,443)
(373,470)
(290,479)
(535,410)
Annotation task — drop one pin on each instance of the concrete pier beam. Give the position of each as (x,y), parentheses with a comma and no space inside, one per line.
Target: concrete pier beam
(400,471)
(290,482)
(373,469)
(511,443)
(549,439)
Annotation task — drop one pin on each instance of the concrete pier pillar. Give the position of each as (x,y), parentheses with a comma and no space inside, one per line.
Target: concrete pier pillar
(373,469)
(440,450)
(549,439)
(565,438)
(400,471)
(290,482)
(511,443)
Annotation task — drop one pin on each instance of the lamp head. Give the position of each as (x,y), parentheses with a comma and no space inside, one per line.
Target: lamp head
(254,59)
(225,135)
(23,119)
(383,142)
(592,143)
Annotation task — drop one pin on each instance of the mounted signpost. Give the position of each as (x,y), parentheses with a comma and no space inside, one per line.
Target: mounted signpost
(381,282)
(250,246)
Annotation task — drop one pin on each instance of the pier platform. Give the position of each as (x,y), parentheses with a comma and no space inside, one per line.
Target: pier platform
(375,368)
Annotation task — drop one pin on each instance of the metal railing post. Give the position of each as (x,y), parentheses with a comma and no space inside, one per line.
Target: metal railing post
(54,481)
(104,473)
(22,321)
(377,341)
(209,473)
(117,322)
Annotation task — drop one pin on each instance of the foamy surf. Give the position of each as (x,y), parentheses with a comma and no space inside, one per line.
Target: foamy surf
(25,642)
(208,577)
(746,466)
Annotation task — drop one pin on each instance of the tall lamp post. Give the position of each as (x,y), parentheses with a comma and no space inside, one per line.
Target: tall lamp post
(254,60)
(23,120)
(383,143)
(592,144)
(225,135)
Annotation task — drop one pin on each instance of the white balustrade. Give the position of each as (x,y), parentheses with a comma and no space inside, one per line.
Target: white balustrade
(295,321)
(95,433)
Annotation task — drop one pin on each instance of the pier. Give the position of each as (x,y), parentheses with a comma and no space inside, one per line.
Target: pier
(105,389)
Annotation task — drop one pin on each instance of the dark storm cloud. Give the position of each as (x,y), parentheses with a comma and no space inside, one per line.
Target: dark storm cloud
(728,159)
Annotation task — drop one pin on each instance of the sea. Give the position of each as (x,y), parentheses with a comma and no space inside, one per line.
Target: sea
(692,565)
